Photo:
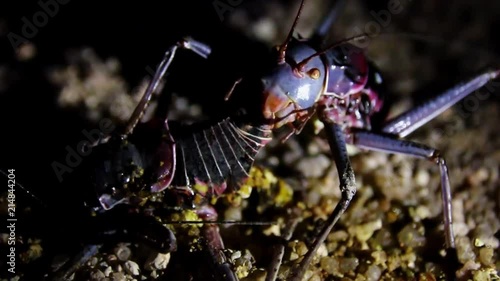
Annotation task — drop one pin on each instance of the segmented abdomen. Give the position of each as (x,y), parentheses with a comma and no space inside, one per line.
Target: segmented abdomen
(218,156)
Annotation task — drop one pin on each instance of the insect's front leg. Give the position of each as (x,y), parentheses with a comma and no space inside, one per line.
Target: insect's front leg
(336,140)
(279,249)
(166,154)
(199,48)
(123,156)
(215,245)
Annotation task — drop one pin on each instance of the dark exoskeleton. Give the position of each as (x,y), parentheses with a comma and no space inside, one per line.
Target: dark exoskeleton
(337,83)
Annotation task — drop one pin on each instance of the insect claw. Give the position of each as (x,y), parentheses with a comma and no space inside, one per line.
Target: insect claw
(230,92)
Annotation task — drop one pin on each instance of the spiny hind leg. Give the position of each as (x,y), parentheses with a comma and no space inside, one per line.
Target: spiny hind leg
(407,122)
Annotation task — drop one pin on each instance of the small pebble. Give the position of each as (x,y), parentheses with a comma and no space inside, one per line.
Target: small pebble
(256,275)
(118,276)
(293,256)
(465,250)
(313,167)
(467,268)
(365,231)
(330,265)
(236,255)
(322,251)
(298,247)
(111,259)
(486,256)
(478,242)
(97,275)
(122,252)
(348,264)
(132,268)
(272,230)
(393,262)
(421,212)
(315,278)
(422,178)
(412,235)
(339,235)
(108,271)
(301,248)
(373,273)
(313,148)
(409,259)
(384,238)
(161,261)
(380,257)
(487,274)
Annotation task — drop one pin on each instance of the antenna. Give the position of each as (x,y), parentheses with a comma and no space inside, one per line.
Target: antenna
(282,50)
(222,222)
(300,66)
(29,193)
(404,34)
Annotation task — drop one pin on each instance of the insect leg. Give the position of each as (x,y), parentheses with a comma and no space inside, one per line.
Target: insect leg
(405,123)
(215,245)
(279,251)
(390,144)
(197,47)
(336,139)
(65,271)
(110,229)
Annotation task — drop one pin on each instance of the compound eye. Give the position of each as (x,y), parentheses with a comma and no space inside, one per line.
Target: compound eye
(314,73)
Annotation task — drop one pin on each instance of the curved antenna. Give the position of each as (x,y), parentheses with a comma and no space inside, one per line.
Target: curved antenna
(27,191)
(300,66)
(411,35)
(282,50)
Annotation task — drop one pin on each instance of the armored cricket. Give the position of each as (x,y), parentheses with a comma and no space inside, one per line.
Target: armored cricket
(337,83)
